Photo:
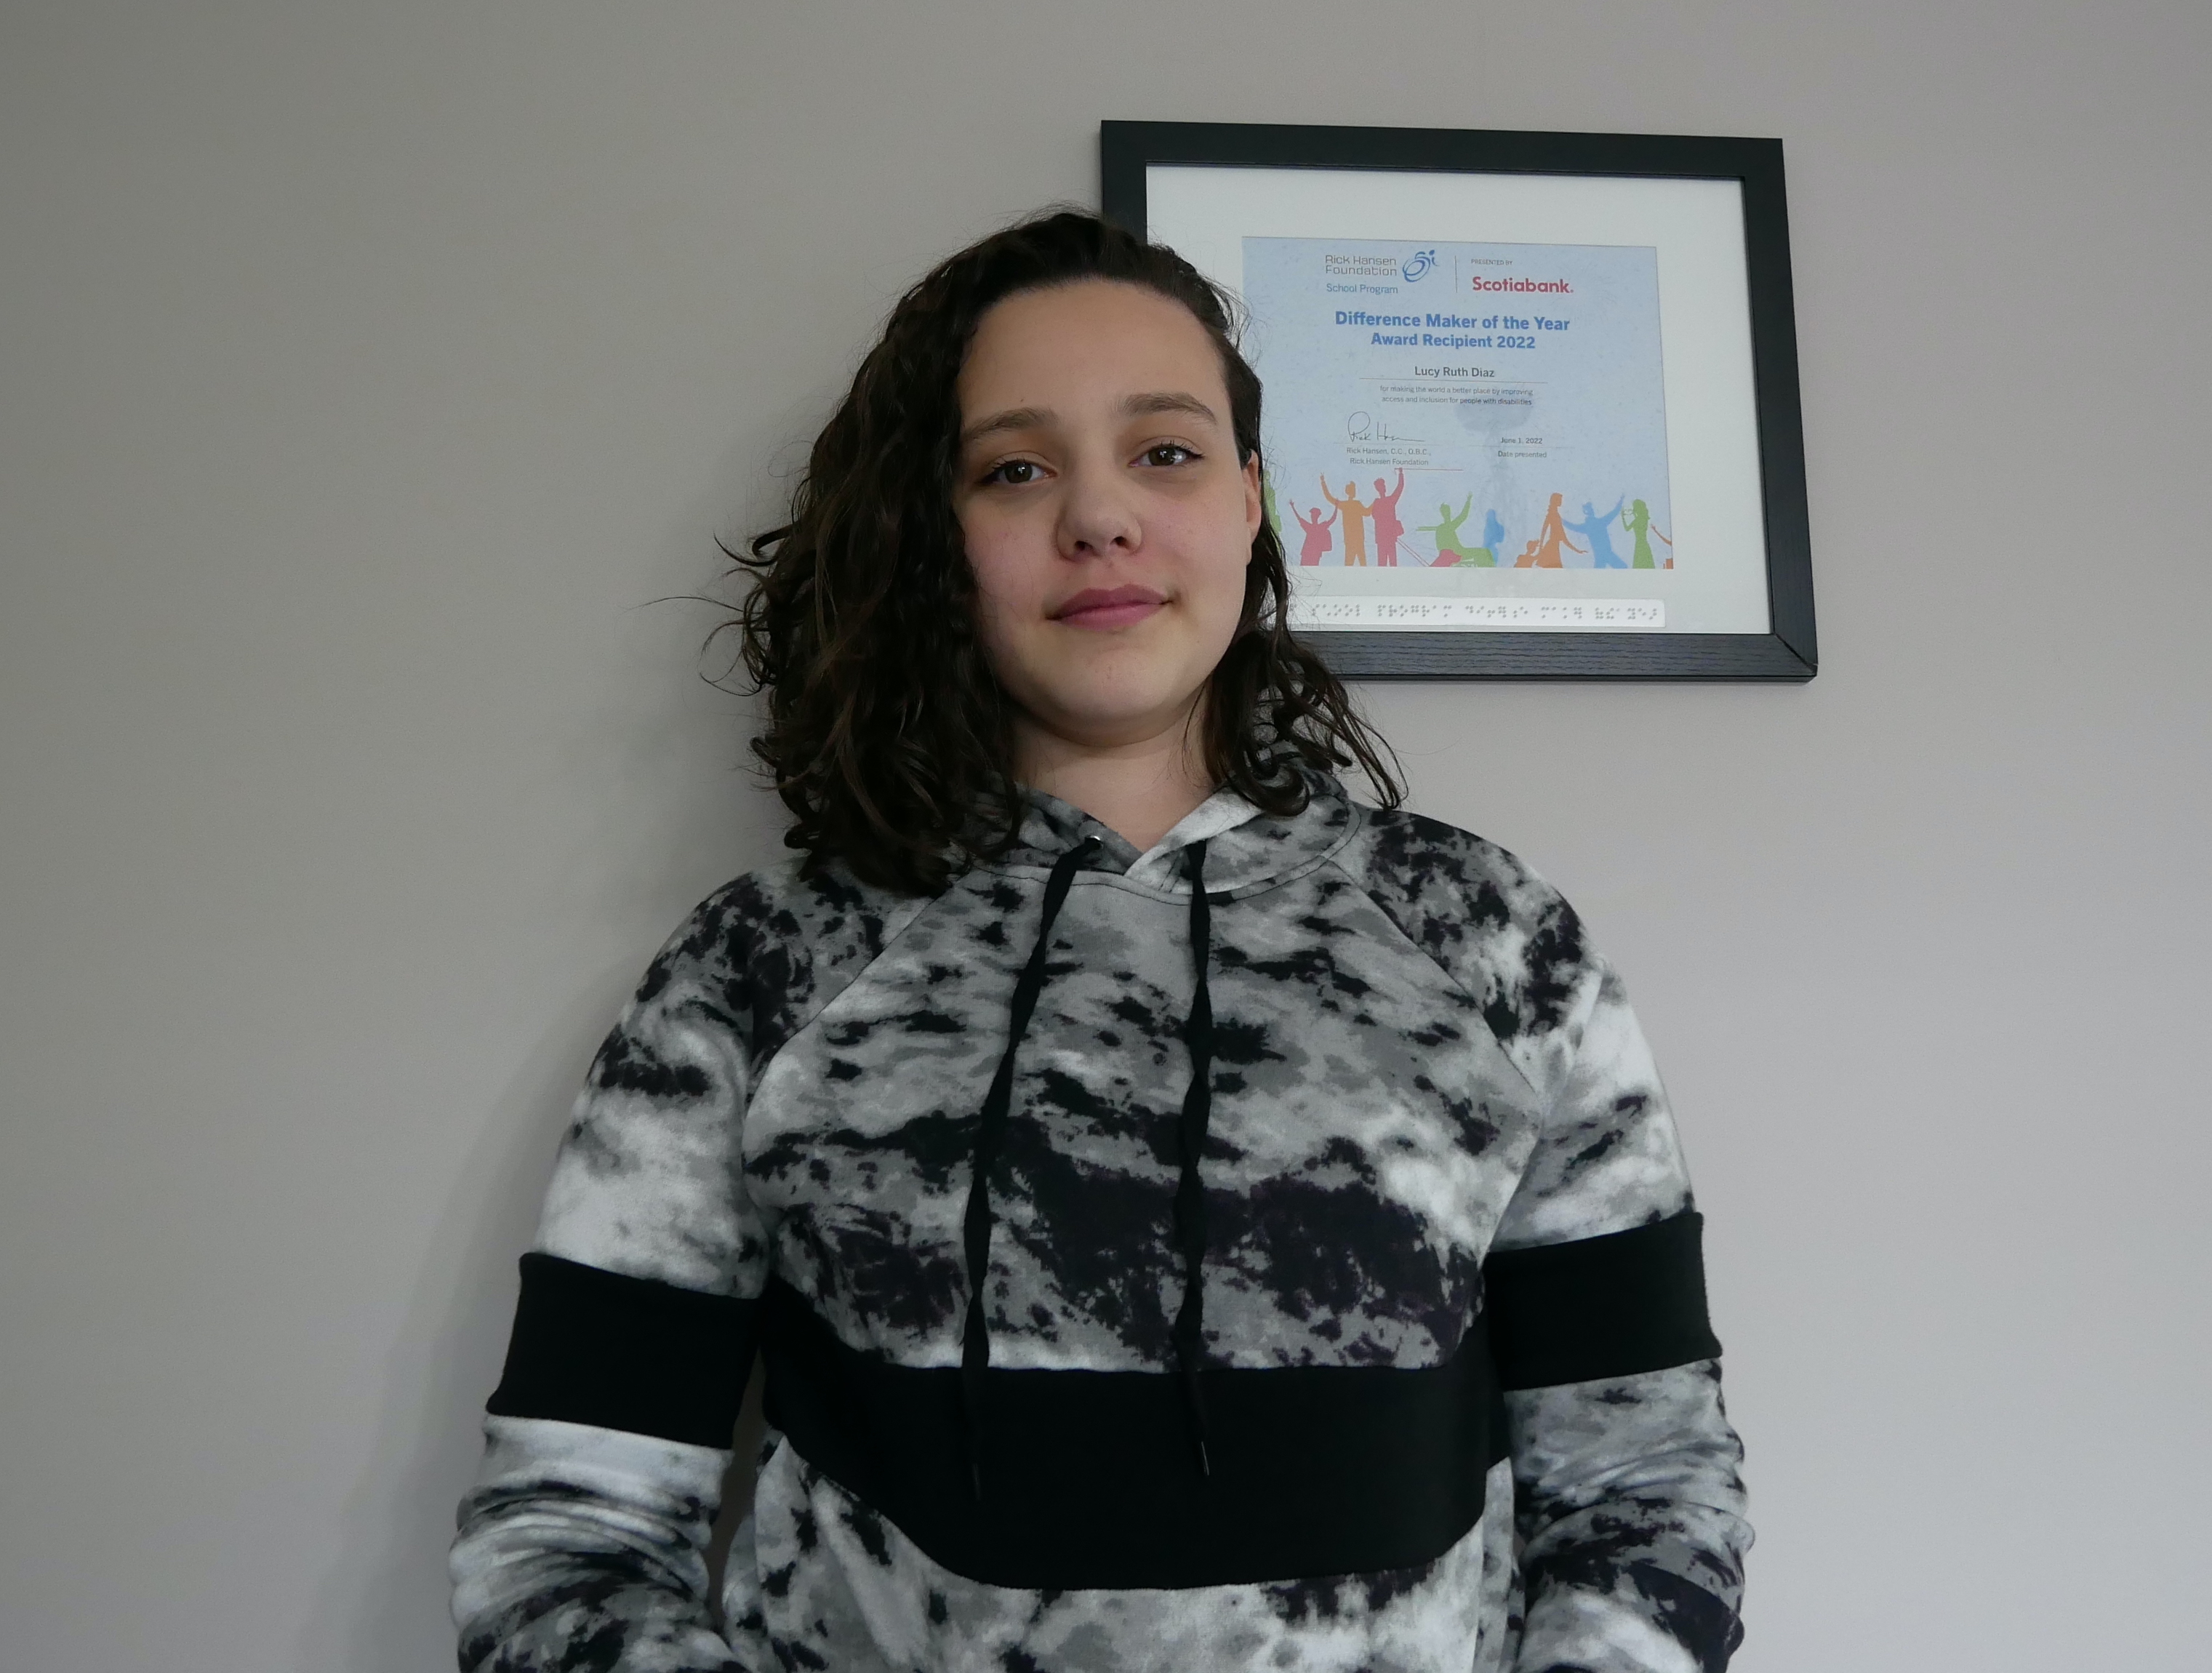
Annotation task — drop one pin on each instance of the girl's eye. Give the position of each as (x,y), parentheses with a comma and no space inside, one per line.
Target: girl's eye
(1014,473)
(1168,453)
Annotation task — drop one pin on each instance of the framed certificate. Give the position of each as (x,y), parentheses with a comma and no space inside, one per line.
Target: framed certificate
(1531,399)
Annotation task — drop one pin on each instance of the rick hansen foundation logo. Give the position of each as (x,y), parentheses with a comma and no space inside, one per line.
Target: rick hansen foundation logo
(1418,266)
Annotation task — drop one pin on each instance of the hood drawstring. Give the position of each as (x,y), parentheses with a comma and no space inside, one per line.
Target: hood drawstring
(1190,1190)
(990,1130)
(1189,1334)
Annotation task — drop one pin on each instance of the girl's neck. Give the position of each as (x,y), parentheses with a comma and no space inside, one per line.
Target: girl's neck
(1140,789)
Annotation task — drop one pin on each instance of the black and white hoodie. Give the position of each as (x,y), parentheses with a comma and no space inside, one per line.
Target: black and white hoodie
(1269,1252)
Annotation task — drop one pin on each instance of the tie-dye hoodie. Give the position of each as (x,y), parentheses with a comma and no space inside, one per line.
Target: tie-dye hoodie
(1295,1274)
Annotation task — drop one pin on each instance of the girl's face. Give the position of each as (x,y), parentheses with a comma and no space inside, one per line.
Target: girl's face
(1105,514)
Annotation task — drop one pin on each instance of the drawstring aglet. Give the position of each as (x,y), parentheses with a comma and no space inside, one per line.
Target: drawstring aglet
(1205,1464)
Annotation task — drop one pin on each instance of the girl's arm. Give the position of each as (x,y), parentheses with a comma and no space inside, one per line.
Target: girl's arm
(608,1435)
(584,1542)
(1627,1496)
(1630,1505)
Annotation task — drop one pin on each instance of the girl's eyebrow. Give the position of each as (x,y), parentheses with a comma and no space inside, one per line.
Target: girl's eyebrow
(1136,406)
(1014,418)
(1169,401)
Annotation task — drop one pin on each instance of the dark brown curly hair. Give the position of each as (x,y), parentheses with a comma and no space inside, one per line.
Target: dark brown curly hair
(887,736)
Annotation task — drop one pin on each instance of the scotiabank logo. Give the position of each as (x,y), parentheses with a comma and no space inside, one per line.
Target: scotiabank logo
(1558,287)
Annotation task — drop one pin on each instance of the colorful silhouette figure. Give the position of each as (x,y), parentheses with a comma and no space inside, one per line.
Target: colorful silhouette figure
(1528,558)
(1493,538)
(1598,531)
(1387,528)
(1549,539)
(1355,528)
(1637,521)
(1450,550)
(1316,527)
(1267,505)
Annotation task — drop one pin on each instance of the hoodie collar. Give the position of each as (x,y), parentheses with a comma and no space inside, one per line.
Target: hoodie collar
(1246,848)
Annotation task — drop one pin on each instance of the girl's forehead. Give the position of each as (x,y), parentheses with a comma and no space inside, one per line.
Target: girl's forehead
(1092,329)
(1091,304)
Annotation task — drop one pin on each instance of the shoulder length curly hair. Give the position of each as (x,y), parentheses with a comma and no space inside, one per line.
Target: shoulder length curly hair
(887,734)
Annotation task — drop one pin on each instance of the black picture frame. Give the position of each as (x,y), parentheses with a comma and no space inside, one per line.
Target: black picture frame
(1788,651)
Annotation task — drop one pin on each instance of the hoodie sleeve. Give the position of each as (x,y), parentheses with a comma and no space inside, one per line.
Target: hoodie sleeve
(1627,1496)
(584,1539)
(1629,1504)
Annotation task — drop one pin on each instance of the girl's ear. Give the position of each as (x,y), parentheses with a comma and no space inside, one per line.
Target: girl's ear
(1254,507)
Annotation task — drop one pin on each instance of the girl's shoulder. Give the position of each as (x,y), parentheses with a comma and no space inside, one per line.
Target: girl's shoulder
(772,946)
(1481,912)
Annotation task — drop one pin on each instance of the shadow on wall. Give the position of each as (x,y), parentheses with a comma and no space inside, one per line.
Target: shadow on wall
(383,1608)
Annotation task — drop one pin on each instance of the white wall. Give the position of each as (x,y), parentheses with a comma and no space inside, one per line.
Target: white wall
(368,369)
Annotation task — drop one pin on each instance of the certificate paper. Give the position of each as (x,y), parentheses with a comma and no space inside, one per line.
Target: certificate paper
(1456,407)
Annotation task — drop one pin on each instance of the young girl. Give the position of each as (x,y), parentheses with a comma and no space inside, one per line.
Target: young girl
(1191,1219)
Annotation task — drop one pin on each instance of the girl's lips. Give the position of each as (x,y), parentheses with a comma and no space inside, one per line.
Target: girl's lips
(1108,607)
